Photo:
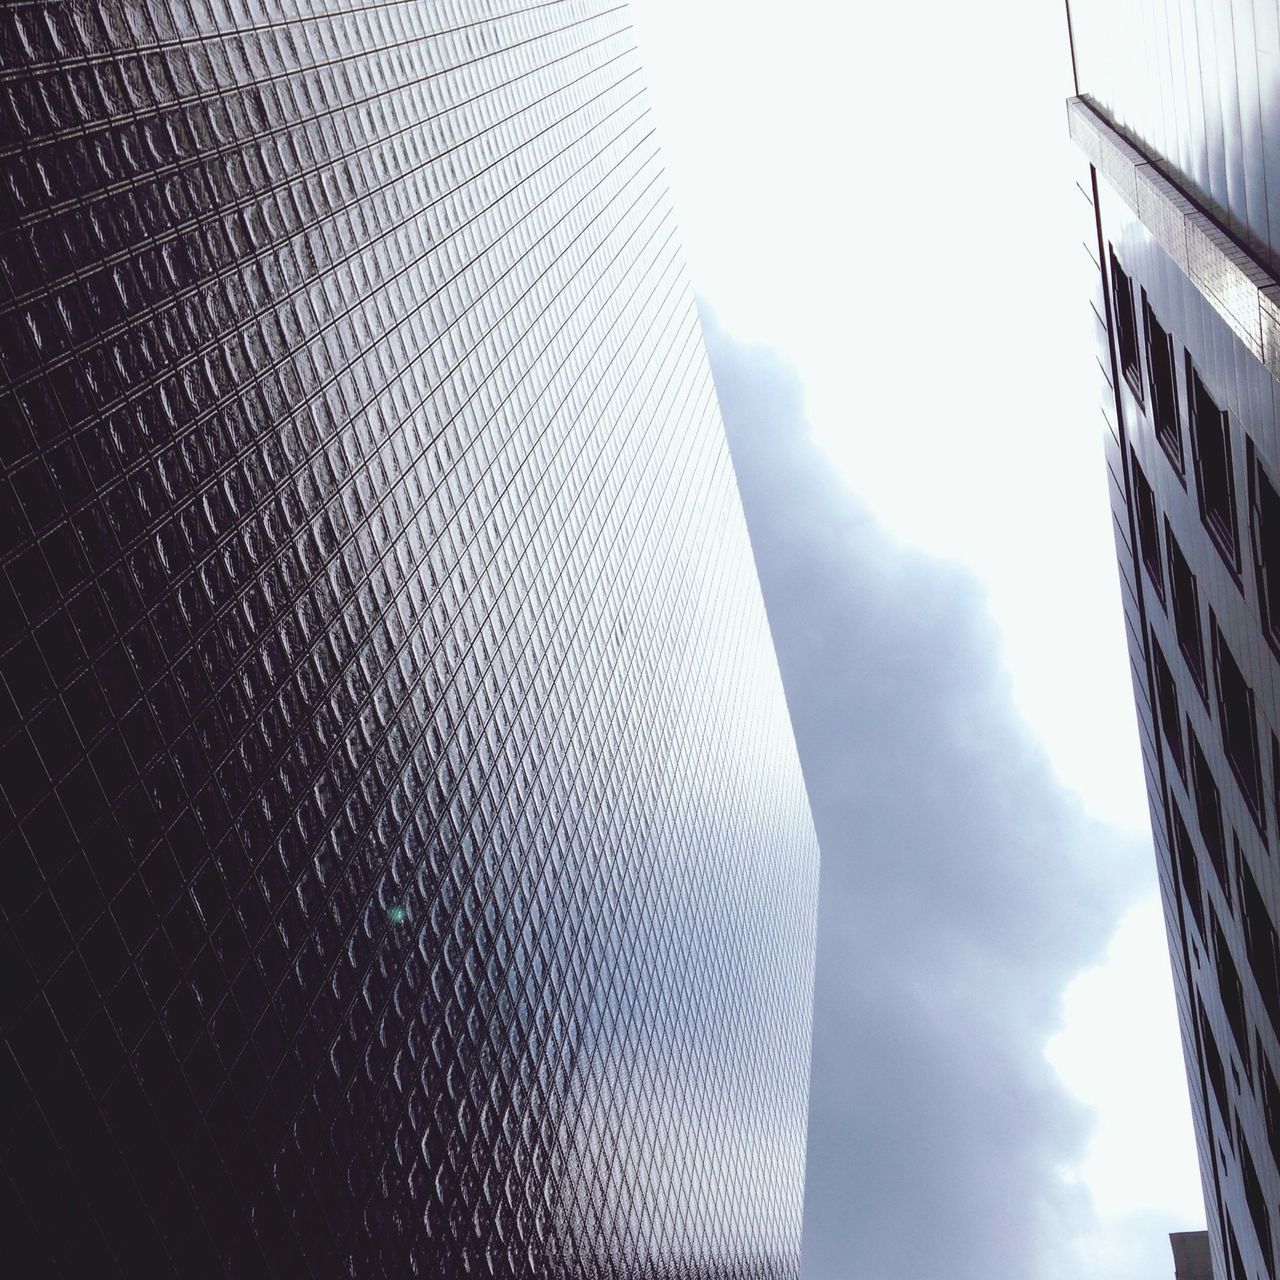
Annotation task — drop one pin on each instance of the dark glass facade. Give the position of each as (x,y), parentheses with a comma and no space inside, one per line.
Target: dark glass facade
(406,867)
(1178,115)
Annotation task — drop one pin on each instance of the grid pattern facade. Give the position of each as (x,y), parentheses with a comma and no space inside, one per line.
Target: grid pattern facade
(1193,449)
(405,867)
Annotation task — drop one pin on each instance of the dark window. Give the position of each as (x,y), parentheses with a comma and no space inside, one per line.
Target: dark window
(1239,725)
(1167,700)
(1261,943)
(1126,327)
(1264,510)
(1148,526)
(1188,867)
(1186,608)
(1275,777)
(1233,1245)
(1270,1103)
(1213,1067)
(1209,811)
(1254,1198)
(1164,387)
(1211,446)
(1231,992)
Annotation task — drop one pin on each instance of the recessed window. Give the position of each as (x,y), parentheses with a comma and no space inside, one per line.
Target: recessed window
(1186,609)
(1237,1262)
(1264,525)
(1167,702)
(1126,327)
(1270,1102)
(1261,943)
(1239,724)
(1188,867)
(1254,1197)
(1209,812)
(1215,482)
(1231,992)
(1275,778)
(1213,1067)
(1162,378)
(1148,522)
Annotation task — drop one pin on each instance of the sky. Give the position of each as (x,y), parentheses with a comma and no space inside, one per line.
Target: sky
(879,216)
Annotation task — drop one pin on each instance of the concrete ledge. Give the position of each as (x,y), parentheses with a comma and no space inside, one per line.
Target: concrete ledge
(1238,287)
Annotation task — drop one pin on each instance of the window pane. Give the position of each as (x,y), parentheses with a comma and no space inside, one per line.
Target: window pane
(1261,943)
(1211,443)
(1209,812)
(1188,867)
(1148,523)
(1214,1069)
(1167,700)
(1239,732)
(1164,389)
(1186,608)
(1266,546)
(1231,991)
(1254,1197)
(1126,327)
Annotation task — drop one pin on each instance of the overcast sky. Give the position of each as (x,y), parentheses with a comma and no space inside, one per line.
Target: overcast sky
(879,210)
(963,887)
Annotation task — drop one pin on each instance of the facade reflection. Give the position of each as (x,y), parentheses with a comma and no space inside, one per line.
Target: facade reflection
(407,868)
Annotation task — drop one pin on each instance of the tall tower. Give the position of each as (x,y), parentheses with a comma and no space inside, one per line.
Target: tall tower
(406,868)
(1177,115)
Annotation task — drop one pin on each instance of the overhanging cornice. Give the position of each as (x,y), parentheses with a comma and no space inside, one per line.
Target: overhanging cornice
(1242,290)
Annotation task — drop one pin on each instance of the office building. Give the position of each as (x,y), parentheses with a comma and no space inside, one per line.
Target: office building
(1177,117)
(406,867)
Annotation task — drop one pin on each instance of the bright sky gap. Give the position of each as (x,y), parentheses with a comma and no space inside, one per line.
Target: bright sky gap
(864,201)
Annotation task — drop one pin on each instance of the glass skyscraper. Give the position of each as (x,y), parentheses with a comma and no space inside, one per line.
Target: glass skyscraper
(1178,121)
(406,866)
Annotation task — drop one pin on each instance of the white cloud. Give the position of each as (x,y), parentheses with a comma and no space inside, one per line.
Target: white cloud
(885,194)
(1120,1054)
(962,889)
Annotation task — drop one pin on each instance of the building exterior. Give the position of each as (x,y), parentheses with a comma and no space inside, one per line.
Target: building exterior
(406,867)
(1192,1259)
(1177,117)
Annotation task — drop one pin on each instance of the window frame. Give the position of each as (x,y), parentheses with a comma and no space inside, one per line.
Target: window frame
(1231,993)
(1261,940)
(1270,1098)
(1146,517)
(1187,863)
(1255,1199)
(1215,1067)
(1268,608)
(1185,612)
(1250,785)
(1168,433)
(1211,822)
(1275,778)
(1124,306)
(1168,707)
(1224,536)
